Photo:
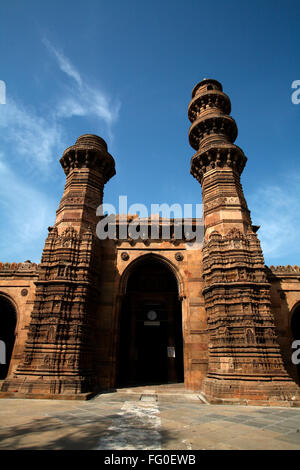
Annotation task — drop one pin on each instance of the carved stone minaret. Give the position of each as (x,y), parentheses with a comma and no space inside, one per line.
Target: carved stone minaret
(59,352)
(244,357)
(218,163)
(88,166)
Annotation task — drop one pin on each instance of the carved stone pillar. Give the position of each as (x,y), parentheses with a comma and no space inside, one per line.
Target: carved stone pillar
(245,362)
(59,351)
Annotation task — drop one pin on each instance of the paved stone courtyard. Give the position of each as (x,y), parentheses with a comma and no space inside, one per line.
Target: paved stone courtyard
(145,418)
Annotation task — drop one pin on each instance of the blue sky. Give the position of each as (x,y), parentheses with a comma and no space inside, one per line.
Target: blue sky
(125,70)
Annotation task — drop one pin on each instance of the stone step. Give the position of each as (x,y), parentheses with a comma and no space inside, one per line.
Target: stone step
(163,389)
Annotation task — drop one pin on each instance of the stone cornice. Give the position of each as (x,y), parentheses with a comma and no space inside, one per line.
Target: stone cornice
(90,152)
(159,224)
(27,266)
(285,269)
(222,125)
(207,100)
(216,155)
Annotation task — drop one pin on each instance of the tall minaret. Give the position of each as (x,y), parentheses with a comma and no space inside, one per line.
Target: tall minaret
(59,352)
(245,362)
(218,163)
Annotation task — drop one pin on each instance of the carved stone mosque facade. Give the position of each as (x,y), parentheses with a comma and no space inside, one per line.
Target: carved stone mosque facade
(98,314)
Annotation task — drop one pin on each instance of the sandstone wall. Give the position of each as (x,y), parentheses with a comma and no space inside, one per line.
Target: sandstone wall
(17,284)
(285,297)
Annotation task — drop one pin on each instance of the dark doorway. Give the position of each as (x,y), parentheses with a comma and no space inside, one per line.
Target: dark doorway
(7,333)
(295,327)
(151,344)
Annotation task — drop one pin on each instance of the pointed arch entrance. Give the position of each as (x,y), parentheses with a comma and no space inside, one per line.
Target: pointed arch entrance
(151,340)
(8,320)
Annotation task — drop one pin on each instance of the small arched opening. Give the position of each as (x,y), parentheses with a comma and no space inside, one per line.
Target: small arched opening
(151,342)
(8,320)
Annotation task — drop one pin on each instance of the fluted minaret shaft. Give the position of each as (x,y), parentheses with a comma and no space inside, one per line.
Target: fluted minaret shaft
(218,162)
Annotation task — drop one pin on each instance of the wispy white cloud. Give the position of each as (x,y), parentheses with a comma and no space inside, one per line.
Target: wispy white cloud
(27,213)
(82,99)
(276,209)
(32,136)
(63,62)
(37,136)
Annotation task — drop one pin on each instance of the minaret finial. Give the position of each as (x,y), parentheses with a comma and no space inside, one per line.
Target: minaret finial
(213,130)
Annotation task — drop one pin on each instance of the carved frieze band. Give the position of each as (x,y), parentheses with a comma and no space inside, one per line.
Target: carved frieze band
(88,158)
(27,266)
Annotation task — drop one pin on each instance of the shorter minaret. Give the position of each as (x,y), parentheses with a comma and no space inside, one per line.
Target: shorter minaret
(88,166)
(245,362)
(59,352)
